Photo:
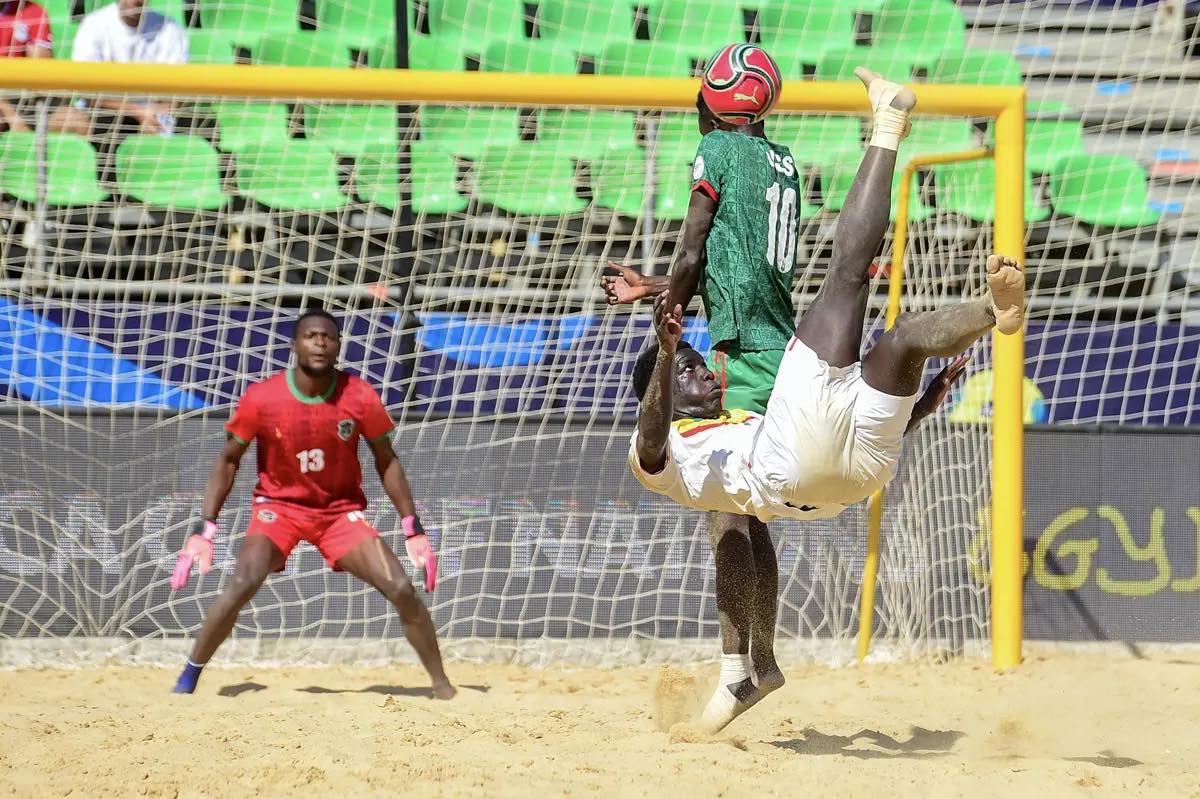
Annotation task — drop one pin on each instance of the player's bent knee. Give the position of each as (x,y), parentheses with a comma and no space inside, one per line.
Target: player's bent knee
(401,593)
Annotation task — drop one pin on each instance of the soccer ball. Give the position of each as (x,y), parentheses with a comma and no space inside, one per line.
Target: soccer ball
(741,84)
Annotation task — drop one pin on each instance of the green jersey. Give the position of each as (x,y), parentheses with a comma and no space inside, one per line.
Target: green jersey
(747,284)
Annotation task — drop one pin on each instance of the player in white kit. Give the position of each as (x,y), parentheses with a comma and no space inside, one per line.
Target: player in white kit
(835,421)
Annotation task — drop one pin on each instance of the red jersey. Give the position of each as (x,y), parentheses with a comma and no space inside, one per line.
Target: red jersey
(22,27)
(308,446)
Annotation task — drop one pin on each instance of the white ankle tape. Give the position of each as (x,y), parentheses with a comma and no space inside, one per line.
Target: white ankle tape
(734,669)
(888,127)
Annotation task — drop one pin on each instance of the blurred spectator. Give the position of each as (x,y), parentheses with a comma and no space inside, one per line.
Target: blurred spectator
(125,32)
(24,33)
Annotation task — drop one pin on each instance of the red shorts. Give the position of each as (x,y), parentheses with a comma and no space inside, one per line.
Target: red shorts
(334,533)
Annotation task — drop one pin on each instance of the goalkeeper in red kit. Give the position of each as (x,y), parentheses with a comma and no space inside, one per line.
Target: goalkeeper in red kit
(307,421)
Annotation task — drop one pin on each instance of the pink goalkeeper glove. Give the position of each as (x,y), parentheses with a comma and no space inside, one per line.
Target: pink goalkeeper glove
(198,549)
(420,552)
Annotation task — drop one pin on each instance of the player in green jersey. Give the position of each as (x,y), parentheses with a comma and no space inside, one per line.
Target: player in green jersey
(738,252)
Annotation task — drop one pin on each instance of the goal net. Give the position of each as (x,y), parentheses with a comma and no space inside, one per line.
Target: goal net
(150,278)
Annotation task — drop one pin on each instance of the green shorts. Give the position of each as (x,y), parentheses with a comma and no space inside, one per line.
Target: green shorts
(747,378)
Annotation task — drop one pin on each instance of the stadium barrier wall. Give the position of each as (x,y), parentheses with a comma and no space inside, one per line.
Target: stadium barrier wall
(86,552)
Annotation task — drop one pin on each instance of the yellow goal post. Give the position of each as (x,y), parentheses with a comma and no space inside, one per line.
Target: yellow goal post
(1006,105)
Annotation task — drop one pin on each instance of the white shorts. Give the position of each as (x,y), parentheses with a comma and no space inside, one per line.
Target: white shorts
(828,437)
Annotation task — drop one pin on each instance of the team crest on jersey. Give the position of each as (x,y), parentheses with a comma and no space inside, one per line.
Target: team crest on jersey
(345,429)
(698,168)
(265,515)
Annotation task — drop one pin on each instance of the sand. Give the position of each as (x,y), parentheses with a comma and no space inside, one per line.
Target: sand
(1062,725)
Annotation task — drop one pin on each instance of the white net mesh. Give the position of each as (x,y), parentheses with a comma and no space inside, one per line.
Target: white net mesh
(148,278)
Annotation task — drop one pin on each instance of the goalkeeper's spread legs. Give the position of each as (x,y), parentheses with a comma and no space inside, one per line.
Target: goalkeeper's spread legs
(374,563)
(257,559)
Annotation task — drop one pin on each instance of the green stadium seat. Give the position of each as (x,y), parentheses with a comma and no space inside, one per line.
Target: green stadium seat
(360,23)
(986,67)
(528,179)
(921,31)
(244,125)
(424,52)
(585,25)
(796,34)
(471,24)
(673,190)
(302,49)
(619,182)
(969,188)
(1108,190)
(170,172)
(836,180)
(63,34)
(469,130)
(433,173)
(677,137)
(645,60)
(70,169)
(586,135)
(839,64)
(351,129)
(817,139)
(247,21)
(937,135)
(291,175)
(168,8)
(530,57)
(701,25)
(1048,141)
(211,47)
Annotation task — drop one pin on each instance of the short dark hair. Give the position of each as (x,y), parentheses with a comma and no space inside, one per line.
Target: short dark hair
(702,106)
(643,367)
(317,312)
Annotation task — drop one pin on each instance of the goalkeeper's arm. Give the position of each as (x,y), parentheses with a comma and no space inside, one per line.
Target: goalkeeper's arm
(395,483)
(198,549)
(220,479)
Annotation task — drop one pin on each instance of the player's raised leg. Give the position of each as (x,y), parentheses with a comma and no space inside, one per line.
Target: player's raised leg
(374,563)
(257,559)
(832,326)
(895,365)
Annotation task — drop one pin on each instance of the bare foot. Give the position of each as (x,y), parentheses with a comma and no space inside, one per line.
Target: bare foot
(444,690)
(1006,282)
(884,92)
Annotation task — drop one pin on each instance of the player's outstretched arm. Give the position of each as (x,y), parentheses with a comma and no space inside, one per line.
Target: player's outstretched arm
(630,285)
(654,417)
(937,390)
(395,483)
(198,549)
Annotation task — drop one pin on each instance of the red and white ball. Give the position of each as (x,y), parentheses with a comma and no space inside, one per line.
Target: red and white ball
(741,84)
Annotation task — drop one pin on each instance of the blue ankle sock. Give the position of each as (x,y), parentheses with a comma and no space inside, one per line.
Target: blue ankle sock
(188,678)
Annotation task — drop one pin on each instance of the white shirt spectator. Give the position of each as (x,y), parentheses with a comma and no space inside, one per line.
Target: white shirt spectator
(104,36)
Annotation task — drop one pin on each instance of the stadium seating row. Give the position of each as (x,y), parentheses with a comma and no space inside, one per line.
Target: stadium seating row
(557,34)
(524,178)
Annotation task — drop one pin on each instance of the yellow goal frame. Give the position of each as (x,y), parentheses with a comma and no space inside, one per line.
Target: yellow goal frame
(1003,103)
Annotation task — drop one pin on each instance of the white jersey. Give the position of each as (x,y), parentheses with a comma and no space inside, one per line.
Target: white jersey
(709,467)
(103,36)
(828,440)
